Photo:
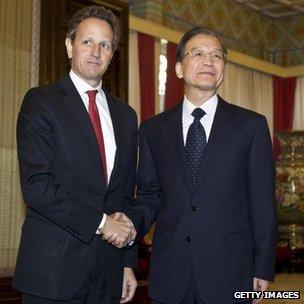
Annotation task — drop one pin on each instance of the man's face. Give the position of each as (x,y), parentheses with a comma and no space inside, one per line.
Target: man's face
(202,66)
(91,51)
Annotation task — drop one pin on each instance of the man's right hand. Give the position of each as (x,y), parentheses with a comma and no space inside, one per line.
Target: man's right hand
(118,230)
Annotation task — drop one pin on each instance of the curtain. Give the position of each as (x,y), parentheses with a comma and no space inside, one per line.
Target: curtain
(146,75)
(298,116)
(134,89)
(262,98)
(174,86)
(249,89)
(15,80)
(283,98)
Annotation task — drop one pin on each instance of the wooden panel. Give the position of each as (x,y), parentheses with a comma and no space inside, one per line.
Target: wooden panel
(7,294)
(54,63)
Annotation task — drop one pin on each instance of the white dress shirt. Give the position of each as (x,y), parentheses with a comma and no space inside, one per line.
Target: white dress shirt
(105,121)
(207,120)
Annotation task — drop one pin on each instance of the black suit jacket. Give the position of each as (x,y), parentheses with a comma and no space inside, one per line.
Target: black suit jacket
(224,230)
(64,187)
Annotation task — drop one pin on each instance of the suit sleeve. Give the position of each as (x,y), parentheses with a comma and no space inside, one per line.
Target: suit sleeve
(41,188)
(261,183)
(143,211)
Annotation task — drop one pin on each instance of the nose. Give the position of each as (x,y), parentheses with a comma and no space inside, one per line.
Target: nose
(96,50)
(206,59)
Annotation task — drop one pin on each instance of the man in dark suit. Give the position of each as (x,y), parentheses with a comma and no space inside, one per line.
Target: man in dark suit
(207,177)
(77,148)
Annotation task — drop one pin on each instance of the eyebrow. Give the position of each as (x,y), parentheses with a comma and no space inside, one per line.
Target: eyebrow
(86,36)
(90,37)
(198,47)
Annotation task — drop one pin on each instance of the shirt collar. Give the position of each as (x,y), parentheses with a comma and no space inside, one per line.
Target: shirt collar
(208,106)
(81,85)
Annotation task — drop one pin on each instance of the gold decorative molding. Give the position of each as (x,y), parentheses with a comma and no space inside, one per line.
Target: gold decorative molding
(294,71)
(153,29)
(160,31)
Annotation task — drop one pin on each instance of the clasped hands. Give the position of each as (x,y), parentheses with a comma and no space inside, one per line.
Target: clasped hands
(118,230)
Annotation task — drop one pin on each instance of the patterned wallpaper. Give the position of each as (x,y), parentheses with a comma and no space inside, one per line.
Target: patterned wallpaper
(242,29)
(15,42)
(291,42)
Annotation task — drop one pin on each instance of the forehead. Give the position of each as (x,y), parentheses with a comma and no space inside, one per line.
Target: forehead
(204,41)
(93,26)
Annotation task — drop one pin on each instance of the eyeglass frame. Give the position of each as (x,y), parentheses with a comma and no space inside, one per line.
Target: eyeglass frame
(206,53)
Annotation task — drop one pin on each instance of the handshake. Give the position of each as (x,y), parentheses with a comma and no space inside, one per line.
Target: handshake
(118,230)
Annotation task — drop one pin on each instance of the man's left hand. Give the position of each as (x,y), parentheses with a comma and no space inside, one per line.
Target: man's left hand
(259,285)
(129,285)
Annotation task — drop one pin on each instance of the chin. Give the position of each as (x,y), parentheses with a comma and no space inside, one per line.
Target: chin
(94,76)
(206,87)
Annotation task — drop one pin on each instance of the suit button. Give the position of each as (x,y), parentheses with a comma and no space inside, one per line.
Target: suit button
(193,208)
(105,198)
(188,238)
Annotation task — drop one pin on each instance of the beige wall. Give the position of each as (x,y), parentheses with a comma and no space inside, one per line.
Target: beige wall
(15,42)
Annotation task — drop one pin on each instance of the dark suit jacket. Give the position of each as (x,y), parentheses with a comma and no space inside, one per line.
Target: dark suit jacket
(225,228)
(64,187)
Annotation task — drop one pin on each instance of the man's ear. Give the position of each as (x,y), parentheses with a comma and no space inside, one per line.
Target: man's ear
(179,70)
(69,47)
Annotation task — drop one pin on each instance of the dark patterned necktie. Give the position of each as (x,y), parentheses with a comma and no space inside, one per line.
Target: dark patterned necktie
(195,145)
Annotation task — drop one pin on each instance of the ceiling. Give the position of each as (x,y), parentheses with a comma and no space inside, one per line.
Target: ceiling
(275,8)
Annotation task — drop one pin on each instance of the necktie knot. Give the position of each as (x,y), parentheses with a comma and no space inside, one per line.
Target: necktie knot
(198,113)
(92,94)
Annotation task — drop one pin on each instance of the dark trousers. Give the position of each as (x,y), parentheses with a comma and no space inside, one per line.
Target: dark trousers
(192,295)
(95,289)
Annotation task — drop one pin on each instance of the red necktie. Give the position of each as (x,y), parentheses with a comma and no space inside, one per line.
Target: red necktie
(94,116)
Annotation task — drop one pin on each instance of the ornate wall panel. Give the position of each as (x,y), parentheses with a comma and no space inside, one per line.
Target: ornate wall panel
(290,50)
(278,40)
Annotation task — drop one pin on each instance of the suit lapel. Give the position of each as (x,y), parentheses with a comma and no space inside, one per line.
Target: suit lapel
(173,135)
(74,103)
(221,132)
(117,120)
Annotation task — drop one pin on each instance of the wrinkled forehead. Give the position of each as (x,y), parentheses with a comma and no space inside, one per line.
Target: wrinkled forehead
(203,41)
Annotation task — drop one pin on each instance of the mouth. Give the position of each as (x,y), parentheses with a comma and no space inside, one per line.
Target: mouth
(206,73)
(93,63)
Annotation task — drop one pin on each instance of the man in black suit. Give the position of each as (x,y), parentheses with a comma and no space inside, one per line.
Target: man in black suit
(77,148)
(207,177)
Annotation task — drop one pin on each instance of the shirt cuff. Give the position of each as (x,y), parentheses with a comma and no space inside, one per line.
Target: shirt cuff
(98,231)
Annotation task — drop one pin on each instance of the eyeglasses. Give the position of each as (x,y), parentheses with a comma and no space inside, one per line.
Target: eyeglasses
(215,56)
